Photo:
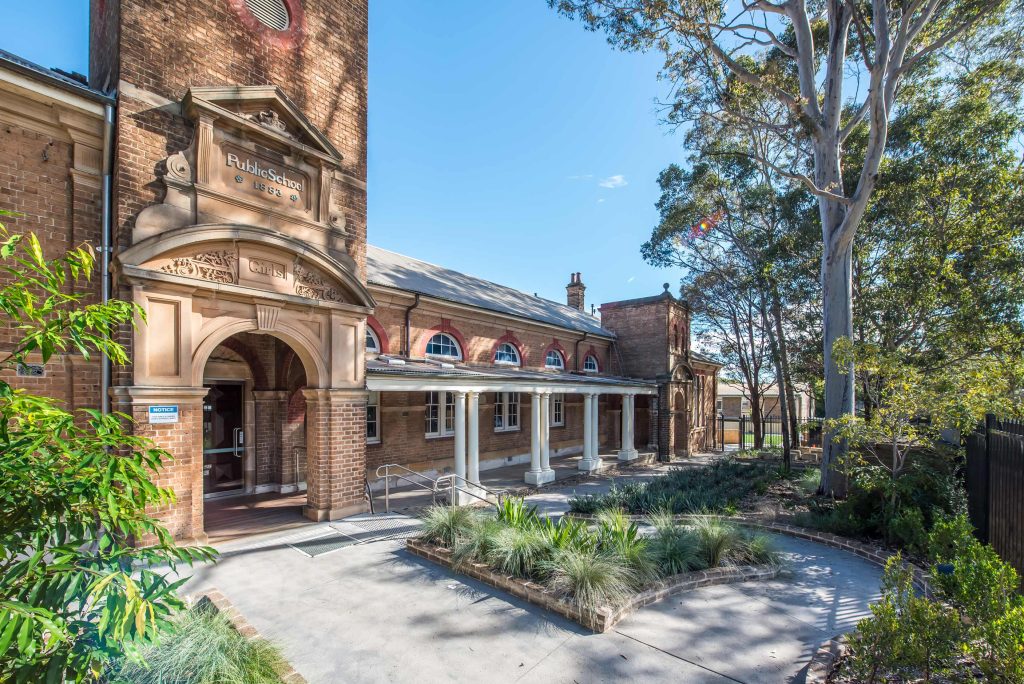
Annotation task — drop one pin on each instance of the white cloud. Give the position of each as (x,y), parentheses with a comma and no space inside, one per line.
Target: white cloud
(600,200)
(631,279)
(612,182)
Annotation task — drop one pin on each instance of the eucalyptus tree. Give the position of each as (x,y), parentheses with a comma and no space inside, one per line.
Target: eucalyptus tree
(806,75)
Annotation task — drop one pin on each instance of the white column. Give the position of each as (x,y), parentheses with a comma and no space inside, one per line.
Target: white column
(473,437)
(460,437)
(590,460)
(595,425)
(535,475)
(545,437)
(628,451)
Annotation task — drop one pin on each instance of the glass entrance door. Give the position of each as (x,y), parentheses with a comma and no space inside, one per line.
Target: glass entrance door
(223,439)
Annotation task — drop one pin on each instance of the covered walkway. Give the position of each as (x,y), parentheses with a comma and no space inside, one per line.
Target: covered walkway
(466,385)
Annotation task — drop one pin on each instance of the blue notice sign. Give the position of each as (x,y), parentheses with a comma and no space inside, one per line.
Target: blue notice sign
(163,414)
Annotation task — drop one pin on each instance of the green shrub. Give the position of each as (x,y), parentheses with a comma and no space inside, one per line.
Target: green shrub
(906,636)
(444,525)
(674,550)
(984,590)
(809,481)
(518,551)
(590,578)
(714,488)
(475,544)
(754,548)
(513,511)
(202,648)
(618,535)
(567,533)
(716,539)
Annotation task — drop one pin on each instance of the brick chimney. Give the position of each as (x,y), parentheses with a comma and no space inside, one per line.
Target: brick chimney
(574,292)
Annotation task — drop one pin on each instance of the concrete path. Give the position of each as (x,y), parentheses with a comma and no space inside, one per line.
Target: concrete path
(374,613)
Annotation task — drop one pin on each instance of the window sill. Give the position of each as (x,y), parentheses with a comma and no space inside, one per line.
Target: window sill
(512,429)
(371,442)
(448,435)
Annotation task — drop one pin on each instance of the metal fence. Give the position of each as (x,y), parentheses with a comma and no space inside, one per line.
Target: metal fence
(738,432)
(994,476)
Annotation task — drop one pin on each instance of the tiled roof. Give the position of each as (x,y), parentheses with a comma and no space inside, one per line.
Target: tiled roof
(390,269)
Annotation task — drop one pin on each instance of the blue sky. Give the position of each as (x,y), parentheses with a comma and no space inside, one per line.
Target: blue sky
(505,141)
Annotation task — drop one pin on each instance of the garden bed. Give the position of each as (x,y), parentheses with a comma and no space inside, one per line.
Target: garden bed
(594,574)
(601,618)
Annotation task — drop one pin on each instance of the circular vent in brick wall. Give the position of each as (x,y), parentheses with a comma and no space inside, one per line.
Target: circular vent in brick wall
(271,13)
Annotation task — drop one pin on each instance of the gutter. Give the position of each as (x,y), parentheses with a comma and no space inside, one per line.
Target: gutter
(576,351)
(105,244)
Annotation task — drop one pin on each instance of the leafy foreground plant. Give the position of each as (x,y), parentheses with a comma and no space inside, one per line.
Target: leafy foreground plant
(590,578)
(76,541)
(203,648)
(446,525)
(977,612)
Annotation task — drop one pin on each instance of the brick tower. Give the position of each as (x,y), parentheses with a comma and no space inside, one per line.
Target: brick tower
(653,340)
(239,225)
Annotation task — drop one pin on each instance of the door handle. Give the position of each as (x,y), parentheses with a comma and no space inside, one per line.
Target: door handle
(238,438)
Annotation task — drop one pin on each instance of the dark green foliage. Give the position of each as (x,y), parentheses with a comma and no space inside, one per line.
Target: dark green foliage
(716,488)
(907,635)
(202,648)
(514,511)
(976,611)
(446,525)
(77,541)
(899,510)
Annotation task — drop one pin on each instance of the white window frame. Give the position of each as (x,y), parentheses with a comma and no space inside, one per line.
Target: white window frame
(558,355)
(591,360)
(452,342)
(506,411)
(433,412)
(371,337)
(507,349)
(373,418)
(557,410)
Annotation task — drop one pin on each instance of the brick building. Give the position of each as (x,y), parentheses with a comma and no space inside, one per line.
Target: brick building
(216,156)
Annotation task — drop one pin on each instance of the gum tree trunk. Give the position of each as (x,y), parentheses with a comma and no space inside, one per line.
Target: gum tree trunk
(839,381)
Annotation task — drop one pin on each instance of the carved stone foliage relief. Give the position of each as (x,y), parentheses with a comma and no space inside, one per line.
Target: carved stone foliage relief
(219,266)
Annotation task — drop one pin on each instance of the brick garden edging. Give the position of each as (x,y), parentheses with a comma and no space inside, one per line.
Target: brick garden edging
(603,618)
(824,659)
(223,605)
(877,555)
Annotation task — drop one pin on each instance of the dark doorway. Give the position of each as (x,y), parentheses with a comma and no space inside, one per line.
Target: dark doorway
(223,439)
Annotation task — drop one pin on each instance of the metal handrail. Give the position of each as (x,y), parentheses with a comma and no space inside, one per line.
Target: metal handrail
(387,475)
(452,479)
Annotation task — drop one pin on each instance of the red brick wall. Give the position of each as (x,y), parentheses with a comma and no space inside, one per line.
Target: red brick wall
(642,331)
(482,331)
(403,438)
(36,182)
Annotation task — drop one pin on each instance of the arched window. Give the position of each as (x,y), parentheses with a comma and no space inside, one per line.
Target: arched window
(554,360)
(372,343)
(507,354)
(443,344)
(590,364)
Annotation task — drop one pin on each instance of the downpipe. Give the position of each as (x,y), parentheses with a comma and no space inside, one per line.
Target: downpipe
(105,241)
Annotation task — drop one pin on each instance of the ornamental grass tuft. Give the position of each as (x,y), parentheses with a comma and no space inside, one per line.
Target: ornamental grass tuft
(202,648)
(590,578)
(445,525)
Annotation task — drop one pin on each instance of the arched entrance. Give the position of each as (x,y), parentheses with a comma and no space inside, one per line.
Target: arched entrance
(254,437)
(265,332)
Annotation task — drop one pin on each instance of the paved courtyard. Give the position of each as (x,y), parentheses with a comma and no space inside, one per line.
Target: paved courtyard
(372,612)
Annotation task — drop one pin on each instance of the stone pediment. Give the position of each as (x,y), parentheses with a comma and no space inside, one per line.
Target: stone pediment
(254,159)
(262,109)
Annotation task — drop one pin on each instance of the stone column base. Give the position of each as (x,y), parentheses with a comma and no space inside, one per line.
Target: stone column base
(540,478)
(324,514)
(628,454)
(589,465)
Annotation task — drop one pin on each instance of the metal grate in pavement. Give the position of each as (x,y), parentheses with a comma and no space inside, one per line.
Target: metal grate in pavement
(318,546)
(384,527)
